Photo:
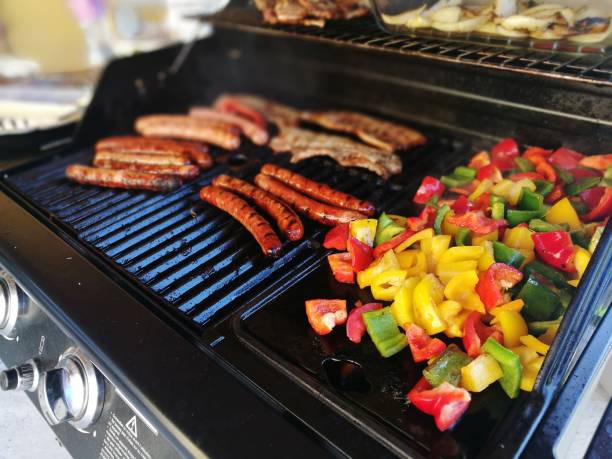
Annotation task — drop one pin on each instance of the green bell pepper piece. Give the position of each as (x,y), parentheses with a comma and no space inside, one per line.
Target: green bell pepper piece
(580,237)
(580,185)
(595,238)
(515,217)
(541,302)
(542,226)
(383,331)
(543,187)
(564,175)
(504,254)
(447,367)
(386,229)
(556,277)
(462,236)
(467,172)
(539,327)
(453,181)
(510,365)
(442,211)
(530,200)
(498,211)
(523,164)
(607,178)
(579,206)
(494,198)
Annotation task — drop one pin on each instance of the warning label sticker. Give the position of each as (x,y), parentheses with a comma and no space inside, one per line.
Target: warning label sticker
(121,440)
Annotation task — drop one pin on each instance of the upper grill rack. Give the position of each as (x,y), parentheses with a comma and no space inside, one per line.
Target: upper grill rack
(365,33)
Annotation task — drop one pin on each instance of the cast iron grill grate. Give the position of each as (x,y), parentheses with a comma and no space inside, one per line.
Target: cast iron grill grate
(188,255)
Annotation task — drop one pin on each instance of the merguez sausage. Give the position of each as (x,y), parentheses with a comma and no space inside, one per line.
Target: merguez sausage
(121,178)
(254,132)
(322,213)
(188,172)
(151,160)
(245,214)
(286,219)
(318,190)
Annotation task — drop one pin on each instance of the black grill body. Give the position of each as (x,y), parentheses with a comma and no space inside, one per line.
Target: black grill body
(209,337)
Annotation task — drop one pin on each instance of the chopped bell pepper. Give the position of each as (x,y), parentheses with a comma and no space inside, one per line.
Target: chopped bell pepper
(469,252)
(461,286)
(555,248)
(494,281)
(516,217)
(460,176)
(510,364)
(518,238)
(555,194)
(386,284)
(479,240)
(487,257)
(392,243)
(355,328)
(523,164)
(363,230)
(446,403)
(565,158)
(540,301)
(442,211)
(342,269)
(422,346)
(536,154)
(507,255)
(460,206)
(475,333)
(550,333)
(479,160)
(595,239)
(530,200)
(490,172)
(592,196)
(541,226)
(480,373)
(434,249)
(383,331)
(419,266)
(533,343)
(387,262)
(386,229)
(543,187)
(427,294)
(324,315)
(498,211)
(402,307)
(534,176)
(424,220)
(540,327)
(530,374)
(603,209)
(474,303)
(514,305)
(453,314)
(361,254)
(476,221)
(553,275)
(483,187)
(446,271)
(423,234)
(526,354)
(447,367)
(579,186)
(581,259)
(601,162)
(503,154)
(513,327)
(336,237)
(584,172)
(462,237)
(549,172)
(430,187)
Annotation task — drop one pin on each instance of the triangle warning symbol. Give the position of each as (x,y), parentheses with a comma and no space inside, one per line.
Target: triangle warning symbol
(132,427)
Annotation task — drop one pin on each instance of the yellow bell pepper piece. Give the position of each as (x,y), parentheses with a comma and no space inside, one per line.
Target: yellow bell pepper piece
(427,294)
(480,373)
(434,248)
(462,253)
(515,192)
(364,230)
(535,344)
(446,271)
(513,326)
(502,189)
(515,305)
(549,335)
(420,265)
(581,259)
(563,212)
(449,228)
(385,263)
(450,311)
(530,373)
(487,258)
(492,236)
(482,187)
(474,303)
(407,259)
(402,308)
(574,282)
(526,354)
(461,286)
(519,238)
(423,234)
(387,284)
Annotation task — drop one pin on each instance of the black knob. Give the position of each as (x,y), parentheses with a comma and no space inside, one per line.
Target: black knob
(9,379)
(21,377)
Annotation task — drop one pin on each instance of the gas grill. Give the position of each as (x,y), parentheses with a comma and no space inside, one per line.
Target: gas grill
(190,342)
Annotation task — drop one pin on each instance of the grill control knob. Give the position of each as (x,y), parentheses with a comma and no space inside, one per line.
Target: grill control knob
(12,305)
(21,377)
(72,392)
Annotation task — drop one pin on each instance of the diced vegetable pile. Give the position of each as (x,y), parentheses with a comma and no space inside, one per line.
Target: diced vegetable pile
(492,261)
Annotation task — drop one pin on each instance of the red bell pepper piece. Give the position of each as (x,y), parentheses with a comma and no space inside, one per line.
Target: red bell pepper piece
(424,220)
(494,281)
(429,188)
(342,269)
(461,205)
(546,170)
(361,254)
(446,403)
(324,315)
(526,175)
(475,333)
(536,154)
(483,202)
(355,328)
(392,243)
(480,159)
(490,172)
(422,346)
(336,237)
(556,249)
(461,191)
(565,158)
(592,196)
(477,222)
(503,154)
(603,208)
(581,172)
(555,194)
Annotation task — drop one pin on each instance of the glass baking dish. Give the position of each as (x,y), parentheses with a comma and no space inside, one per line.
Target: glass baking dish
(561,25)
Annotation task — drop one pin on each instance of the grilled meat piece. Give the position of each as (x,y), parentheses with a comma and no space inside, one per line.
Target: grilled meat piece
(376,132)
(318,190)
(287,220)
(188,172)
(302,144)
(253,131)
(246,104)
(186,127)
(310,12)
(245,214)
(335,9)
(121,178)
(144,158)
(315,210)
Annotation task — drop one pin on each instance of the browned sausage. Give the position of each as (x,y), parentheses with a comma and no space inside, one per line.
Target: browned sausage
(318,190)
(286,219)
(121,178)
(322,213)
(187,127)
(137,158)
(184,172)
(245,214)
(255,133)
(198,152)
(229,104)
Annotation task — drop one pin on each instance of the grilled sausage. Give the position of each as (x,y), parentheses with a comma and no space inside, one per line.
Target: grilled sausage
(245,214)
(254,132)
(322,213)
(150,145)
(318,190)
(121,178)
(187,127)
(189,172)
(229,104)
(286,219)
(150,160)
